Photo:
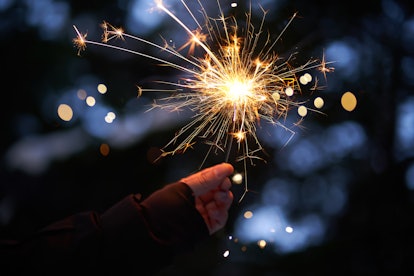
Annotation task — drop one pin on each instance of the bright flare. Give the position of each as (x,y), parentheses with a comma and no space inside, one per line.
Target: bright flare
(231,88)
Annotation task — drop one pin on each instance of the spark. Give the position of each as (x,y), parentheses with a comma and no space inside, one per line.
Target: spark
(323,68)
(80,40)
(237,83)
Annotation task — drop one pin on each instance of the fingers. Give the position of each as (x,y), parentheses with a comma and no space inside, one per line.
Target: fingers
(211,187)
(217,210)
(224,199)
(217,218)
(225,185)
(214,208)
(210,179)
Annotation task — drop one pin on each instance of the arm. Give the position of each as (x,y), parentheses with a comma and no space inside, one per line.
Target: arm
(131,233)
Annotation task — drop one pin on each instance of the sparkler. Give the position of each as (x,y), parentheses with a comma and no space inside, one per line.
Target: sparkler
(231,88)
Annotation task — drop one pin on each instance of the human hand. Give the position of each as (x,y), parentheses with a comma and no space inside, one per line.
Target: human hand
(213,198)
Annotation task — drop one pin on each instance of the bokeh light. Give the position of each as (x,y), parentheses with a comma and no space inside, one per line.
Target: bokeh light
(102,88)
(91,101)
(348,101)
(318,102)
(65,112)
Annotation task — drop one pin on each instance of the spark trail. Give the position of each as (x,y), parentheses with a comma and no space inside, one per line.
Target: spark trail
(233,86)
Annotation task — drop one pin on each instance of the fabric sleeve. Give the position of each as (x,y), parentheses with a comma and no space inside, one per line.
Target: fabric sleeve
(131,234)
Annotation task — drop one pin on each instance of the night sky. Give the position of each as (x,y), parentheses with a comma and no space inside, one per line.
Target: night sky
(335,198)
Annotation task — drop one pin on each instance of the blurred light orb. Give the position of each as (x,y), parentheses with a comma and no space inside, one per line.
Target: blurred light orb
(65,112)
(305,78)
(289,229)
(110,117)
(248,214)
(261,244)
(289,91)
(226,253)
(104,149)
(348,101)
(237,178)
(302,111)
(102,88)
(90,101)
(81,94)
(276,96)
(318,102)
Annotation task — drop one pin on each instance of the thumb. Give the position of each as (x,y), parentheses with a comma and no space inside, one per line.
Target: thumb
(208,179)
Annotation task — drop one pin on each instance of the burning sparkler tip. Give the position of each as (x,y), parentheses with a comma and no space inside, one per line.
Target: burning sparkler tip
(139,91)
(111,32)
(79,40)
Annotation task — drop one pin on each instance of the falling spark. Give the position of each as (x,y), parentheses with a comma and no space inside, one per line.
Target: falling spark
(234,86)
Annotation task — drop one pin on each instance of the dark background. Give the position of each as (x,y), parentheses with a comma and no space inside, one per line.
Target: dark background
(346,179)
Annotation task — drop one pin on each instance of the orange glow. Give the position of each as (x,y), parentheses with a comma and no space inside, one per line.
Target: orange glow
(104,149)
(348,101)
(65,112)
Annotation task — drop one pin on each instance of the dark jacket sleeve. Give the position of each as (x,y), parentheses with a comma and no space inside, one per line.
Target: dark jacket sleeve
(131,236)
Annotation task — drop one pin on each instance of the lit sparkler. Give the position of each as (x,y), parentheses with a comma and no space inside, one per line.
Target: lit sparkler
(230,89)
